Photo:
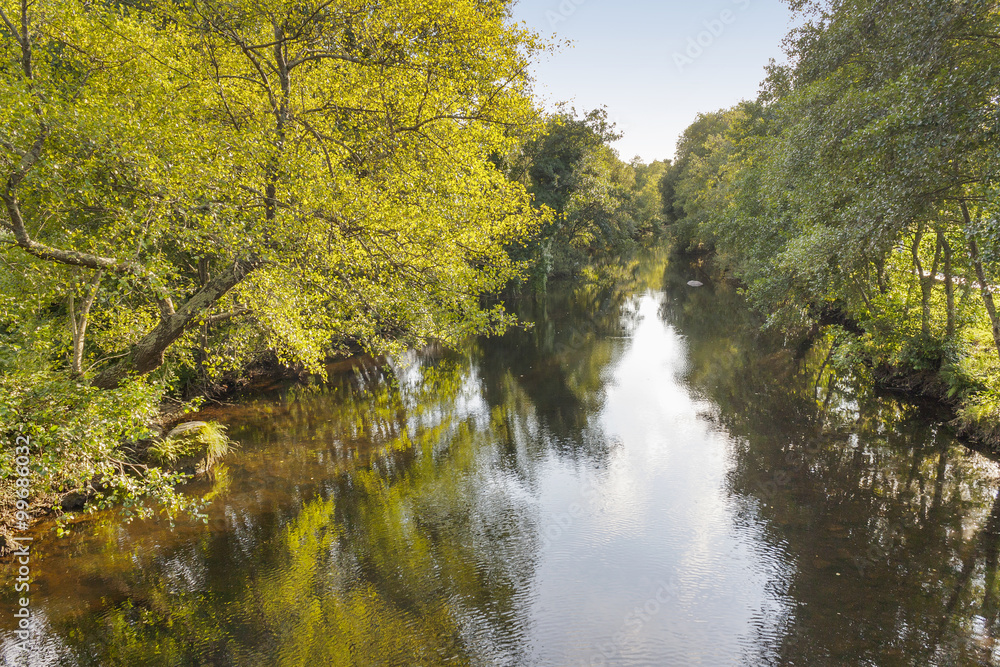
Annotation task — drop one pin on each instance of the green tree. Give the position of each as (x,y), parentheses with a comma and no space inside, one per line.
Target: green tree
(860,188)
(682,184)
(572,170)
(186,184)
(319,168)
(649,212)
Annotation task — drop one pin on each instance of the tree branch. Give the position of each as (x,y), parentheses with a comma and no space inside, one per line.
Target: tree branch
(147,354)
(228,315)
(70,257)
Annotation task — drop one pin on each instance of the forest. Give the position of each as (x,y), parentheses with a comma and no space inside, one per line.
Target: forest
(326,337)
(195,190)
(855,200)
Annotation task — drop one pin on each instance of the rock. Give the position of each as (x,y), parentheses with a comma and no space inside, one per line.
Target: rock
(75,500)
(7,543)
(187,429)
(821,564)
(695,283)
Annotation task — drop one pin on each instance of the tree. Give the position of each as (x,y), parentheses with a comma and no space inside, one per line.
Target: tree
(860,189)
(648,197)
(317,169)
(571,170)
(680,185)
(890,134)
(185,185)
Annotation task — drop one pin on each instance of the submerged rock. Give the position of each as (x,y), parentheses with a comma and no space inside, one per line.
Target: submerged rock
(76,499)
(695,283)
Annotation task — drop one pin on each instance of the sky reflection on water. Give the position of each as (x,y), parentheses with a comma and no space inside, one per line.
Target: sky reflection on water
(642,478)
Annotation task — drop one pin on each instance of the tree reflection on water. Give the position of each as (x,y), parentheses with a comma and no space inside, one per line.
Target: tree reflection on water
(390,516)
(893,525)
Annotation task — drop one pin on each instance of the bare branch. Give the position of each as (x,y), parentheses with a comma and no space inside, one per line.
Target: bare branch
(228,315)
(70,257)
(316,56)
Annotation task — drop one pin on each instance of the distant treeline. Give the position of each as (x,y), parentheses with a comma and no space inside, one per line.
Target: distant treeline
(859,192)
(600,206)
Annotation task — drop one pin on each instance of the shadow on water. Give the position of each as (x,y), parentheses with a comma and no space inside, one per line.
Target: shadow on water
(397,516)
(892,524)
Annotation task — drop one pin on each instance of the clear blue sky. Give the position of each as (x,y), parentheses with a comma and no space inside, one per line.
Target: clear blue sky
(643,61)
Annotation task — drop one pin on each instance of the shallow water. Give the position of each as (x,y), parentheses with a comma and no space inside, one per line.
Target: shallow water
(641,479)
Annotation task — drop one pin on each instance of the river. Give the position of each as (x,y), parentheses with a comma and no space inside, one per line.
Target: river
(643,477)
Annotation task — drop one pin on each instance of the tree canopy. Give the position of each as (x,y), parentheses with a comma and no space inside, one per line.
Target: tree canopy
(601,206)
(186,184)
(860,187)
(316,167)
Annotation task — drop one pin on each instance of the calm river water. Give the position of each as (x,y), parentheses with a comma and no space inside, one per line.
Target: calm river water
(642,478)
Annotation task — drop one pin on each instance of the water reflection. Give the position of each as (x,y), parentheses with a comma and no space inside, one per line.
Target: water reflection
(641,478)
(890,524)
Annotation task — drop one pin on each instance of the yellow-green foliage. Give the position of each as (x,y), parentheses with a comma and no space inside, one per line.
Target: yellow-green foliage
(78,435)
(226,177)
(204,440)
(355,191)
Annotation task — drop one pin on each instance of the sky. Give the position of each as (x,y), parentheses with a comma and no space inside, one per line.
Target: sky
(655,64)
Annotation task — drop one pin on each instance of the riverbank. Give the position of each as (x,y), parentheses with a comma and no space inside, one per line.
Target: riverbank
(982,435)
(935,386)
(263,377)
(42,510)
(918,385)
(644,456)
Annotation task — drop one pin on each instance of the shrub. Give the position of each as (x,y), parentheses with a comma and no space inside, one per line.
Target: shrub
(82,438)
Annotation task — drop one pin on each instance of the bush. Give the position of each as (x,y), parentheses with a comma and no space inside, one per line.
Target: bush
(192,444)
(82,438)
(980,416)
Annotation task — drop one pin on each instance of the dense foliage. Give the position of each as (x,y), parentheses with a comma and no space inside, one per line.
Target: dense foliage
(860,190)
(600,205)
(185,185)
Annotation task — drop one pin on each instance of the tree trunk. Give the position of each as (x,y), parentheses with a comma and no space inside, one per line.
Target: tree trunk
(883,284)
(147,354)
(984,286)
(78,324)
(949,282)
(926,281)
(929,286)
(203,278)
